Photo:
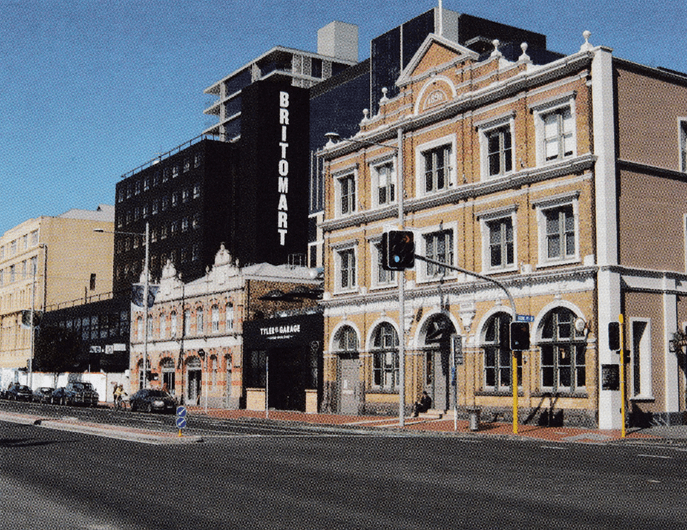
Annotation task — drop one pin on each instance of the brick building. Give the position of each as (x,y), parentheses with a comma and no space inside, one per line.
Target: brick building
(196,340)
(553,179)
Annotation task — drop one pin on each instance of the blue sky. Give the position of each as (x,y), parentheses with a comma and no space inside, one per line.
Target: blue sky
(90,89)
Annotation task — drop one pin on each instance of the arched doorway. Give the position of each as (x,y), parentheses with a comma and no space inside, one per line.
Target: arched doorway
(436,335)
(194,375)
(348,368)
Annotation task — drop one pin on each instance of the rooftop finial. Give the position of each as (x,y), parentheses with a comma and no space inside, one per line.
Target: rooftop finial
(524,57)
(587,45)
(496,52)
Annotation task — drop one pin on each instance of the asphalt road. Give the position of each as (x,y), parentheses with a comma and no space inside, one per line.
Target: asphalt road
(54,479)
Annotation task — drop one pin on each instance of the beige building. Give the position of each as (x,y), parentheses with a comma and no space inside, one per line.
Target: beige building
(565,182)
(48,261)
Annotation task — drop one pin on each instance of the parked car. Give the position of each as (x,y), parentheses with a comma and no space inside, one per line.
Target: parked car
(75,394)
(17,392)
(149,400)
(43,394)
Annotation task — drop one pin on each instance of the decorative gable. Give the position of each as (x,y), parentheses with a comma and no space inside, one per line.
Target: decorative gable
(435,55)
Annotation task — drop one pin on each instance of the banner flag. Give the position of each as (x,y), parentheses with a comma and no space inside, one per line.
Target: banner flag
(137,293)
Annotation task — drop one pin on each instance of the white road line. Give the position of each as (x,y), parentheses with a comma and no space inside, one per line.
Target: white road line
(656,456)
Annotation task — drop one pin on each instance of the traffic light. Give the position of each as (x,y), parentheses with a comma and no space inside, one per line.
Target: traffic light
(398,250)
(519,336)
(614,336)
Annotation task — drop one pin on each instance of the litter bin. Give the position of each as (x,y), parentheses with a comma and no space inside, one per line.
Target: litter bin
(473,417)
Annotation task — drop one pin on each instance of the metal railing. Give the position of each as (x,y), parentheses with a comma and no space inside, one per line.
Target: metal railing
(171,152)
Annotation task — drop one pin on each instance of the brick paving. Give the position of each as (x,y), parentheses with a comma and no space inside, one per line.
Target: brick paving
(553,434)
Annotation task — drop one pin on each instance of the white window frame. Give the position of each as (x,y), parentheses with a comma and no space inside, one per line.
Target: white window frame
(682,144)
(338,269)
(552,203)
(376,267)
(375,168)
(645,365)
(420,151)
(540,112)
(353,208)
(485,129)
(421,245)
(485,219)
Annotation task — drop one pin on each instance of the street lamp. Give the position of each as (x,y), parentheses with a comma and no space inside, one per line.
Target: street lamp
(146,290)
(332,138)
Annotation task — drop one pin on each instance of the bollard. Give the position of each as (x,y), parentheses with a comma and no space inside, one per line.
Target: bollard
(473,416)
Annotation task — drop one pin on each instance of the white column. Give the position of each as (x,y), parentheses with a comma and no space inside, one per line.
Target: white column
(609,284)
(670,326)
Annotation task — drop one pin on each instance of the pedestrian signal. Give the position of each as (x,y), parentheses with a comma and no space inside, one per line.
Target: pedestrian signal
(614,336)
(519,336)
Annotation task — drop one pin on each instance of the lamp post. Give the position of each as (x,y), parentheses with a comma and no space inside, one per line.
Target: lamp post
(146,291)
(398,155)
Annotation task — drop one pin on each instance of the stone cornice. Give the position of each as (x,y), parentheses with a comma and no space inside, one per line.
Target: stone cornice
(467,191)
(456,287)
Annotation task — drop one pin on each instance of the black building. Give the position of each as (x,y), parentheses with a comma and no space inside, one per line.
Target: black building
(250,194)
(185,196)
(102,330)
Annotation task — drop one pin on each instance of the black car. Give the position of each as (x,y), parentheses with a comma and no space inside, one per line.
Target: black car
(150,400)
(17,392)
(43,394)
(75,394)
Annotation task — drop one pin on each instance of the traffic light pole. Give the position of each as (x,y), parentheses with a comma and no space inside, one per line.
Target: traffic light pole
(401,286)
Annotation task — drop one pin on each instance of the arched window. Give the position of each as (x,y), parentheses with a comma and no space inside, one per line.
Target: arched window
(563,349)
(187,322)
(163,326)
(200,327)
(497,354)
(385,357)
(214,317)
(139,328)
(173,324)
(230,316)
(346,340)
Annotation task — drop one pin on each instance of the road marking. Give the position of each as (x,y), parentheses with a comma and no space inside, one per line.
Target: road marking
(554,447)
(656,456)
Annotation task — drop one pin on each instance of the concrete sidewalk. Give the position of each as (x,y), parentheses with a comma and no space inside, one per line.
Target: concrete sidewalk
(674,434)
(427,423)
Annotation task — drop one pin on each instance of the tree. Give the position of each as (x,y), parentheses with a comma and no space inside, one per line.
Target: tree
(56,350)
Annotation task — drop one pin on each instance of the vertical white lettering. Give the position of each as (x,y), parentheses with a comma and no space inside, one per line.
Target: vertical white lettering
(283,182)
(283,220)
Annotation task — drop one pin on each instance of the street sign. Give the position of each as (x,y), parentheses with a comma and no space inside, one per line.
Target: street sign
(457,347)
(181,411)
(181,422)
(524,318)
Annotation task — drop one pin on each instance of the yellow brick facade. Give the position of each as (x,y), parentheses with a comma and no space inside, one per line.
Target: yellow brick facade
(449,99)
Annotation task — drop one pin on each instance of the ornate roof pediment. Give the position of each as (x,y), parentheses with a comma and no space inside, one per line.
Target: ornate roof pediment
(436,54)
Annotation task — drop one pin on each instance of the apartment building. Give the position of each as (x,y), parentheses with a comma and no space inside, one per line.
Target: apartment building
(47,261)
(553,179)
